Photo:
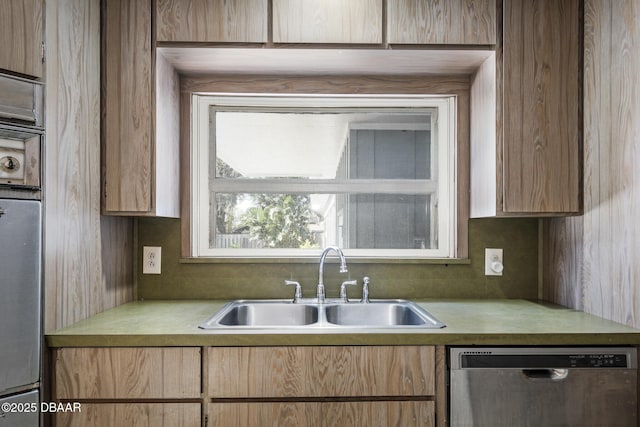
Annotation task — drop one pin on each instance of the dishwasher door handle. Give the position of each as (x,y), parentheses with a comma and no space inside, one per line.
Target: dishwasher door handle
(546,374)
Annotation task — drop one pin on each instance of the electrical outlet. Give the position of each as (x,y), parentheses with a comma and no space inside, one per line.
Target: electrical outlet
(493,264)
(151,258)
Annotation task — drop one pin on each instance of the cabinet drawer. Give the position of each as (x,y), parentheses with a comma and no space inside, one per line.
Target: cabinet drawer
(236,372)
(132,414)
(127,373)
(316,414)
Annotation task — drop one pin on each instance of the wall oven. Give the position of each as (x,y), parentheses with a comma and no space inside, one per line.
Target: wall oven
(21,146)
(21,136)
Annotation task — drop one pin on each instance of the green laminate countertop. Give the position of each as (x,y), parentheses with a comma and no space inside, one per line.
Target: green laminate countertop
(469,322)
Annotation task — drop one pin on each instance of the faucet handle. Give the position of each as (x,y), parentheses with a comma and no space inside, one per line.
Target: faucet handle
(365,290)
(343,289)
(298,294)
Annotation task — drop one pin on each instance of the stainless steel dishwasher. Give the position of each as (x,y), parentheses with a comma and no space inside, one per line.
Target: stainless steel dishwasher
(543,386)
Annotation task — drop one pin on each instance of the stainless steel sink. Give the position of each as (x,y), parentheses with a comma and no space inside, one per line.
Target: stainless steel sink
(283,314)
(263,313)
(385,314)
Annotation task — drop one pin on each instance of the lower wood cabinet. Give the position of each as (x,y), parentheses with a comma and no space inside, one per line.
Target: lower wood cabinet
(322,386)
(251,386)
(129,386)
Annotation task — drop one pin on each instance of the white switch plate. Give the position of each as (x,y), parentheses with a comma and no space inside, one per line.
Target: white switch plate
(151,258)
(492,256)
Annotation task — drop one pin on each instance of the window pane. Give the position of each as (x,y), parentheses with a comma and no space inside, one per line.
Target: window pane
(247,220)
(389,154)
(322,145)
(356,221)
(390,221)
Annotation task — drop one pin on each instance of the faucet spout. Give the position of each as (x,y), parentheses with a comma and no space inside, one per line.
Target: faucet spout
(343,269)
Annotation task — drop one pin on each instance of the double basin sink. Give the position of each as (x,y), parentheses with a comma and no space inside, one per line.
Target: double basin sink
(258,314)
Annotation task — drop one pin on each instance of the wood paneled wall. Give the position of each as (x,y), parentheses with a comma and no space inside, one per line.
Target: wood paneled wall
(591,262)
(88,258)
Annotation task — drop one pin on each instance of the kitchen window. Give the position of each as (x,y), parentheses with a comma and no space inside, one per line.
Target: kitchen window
(286,175)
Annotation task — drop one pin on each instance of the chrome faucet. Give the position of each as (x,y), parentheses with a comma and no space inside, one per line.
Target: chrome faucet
(343,269)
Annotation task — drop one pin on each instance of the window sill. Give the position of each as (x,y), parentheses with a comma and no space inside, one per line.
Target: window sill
(314,260)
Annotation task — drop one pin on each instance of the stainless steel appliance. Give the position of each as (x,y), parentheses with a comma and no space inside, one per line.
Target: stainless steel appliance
(21,139)
(21,134)
(20,299)
(21,101)
(538,386)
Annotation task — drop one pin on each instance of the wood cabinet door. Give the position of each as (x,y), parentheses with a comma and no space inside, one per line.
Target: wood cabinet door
(132,414)
(322,414)
(240,21)
(127,373)
(21,32)
(441,22)
(127,119)
(325,371)
(541,106)
(327,21)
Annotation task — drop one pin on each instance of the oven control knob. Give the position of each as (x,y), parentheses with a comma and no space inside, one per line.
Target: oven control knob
(9,164)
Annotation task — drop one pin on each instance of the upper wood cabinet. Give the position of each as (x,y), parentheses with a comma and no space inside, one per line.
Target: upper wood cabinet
(541,105)
(529,164)
(525,98)
(441,22)
(327,21)
(127,118)
(211,21)
(21,32)
(140,90)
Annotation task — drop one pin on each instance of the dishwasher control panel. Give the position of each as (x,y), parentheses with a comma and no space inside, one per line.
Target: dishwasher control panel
(541,361)
(543,358)
(598,361)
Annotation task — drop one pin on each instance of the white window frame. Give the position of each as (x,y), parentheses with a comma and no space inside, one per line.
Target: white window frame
(446,181)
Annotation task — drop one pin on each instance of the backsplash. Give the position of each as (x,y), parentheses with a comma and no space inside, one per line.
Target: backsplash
(186,280)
